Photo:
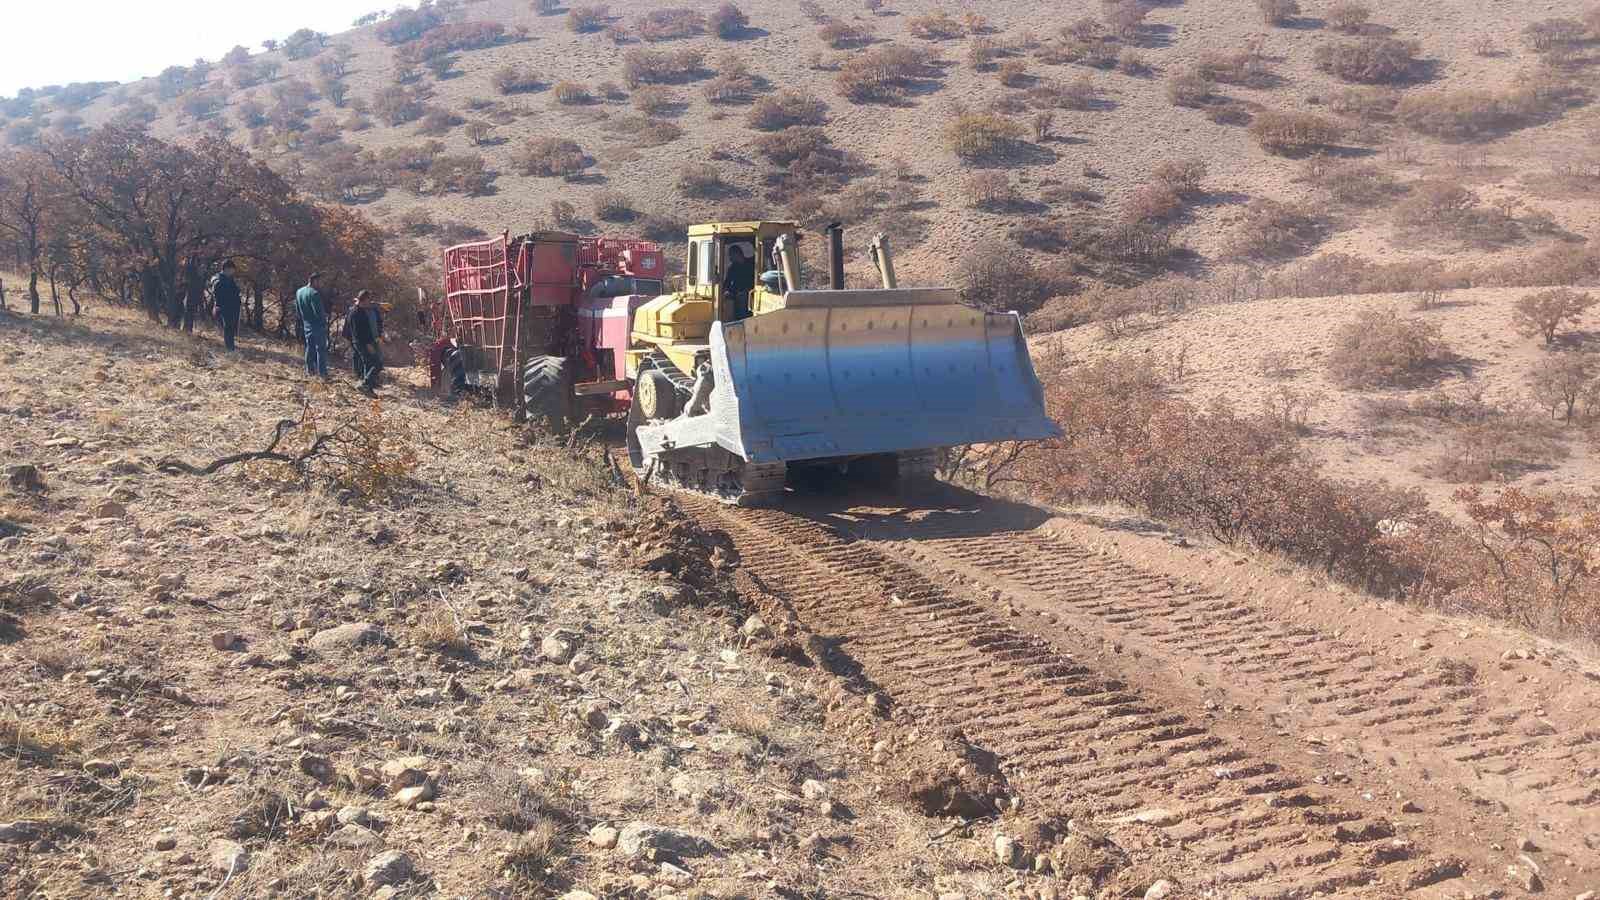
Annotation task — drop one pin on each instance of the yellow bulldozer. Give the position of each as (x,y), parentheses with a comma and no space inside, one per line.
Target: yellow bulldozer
(741,375)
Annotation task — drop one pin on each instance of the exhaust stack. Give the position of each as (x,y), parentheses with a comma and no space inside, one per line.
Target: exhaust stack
(835,257)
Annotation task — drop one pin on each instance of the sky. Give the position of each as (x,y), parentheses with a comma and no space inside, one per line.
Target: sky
(60,41)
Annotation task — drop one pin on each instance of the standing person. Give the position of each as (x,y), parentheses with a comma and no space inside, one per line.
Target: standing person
(363,328)
(226,300)
(314,322)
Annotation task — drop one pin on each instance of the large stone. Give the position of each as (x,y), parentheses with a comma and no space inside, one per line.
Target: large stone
(1161,890)
(638,838)
(350,634)
(1006,852)
(229,857)
(411,796)
(404,772)
(317,766)
(391,867)
(25,477)
(354,837)
(558,646)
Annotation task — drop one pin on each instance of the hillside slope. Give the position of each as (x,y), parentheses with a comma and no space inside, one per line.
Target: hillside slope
(1108,150)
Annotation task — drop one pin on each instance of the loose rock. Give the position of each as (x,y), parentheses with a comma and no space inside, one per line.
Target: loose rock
(351,634)
(636,838)
(391,867)
(559,646)
(229,857)
(1158,891)
(603,836)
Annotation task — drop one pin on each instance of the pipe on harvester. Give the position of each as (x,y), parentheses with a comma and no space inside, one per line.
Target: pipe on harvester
(883,260)
(835,256)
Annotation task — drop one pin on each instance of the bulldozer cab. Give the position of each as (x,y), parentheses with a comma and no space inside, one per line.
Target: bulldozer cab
(736,266)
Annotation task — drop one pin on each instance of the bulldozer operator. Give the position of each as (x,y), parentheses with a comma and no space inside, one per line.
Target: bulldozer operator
(740,280)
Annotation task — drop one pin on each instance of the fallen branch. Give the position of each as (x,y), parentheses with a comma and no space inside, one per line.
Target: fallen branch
(174,466)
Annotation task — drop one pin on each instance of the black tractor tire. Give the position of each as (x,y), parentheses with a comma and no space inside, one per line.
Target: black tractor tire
(658,396)
(547,391)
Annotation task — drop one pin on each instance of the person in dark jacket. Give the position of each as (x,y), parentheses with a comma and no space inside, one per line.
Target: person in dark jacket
(363,328)
(739,281)
(314,324)
(227,303)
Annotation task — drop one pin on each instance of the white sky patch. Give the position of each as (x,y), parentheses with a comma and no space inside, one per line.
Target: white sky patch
(45,42)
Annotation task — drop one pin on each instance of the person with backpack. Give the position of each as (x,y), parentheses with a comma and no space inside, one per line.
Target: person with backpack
(226,302)
(363,328)
(314,325)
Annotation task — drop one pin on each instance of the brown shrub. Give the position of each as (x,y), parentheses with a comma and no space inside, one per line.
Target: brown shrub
(570,93)
(1349,16)
(409,24)
(437,121)
(843,35)
(1005,278)
(1274,230)
(515,80)
(936,26)
(1043,124)
(1373,104)
(1382,347)
(991,191)
(727,89)
(551,156)
(1292,133)
(1245,68)
(1375,60)
(613,206)
(585,19)
(1132,62)
(785,109)
(652,100)
(1278,12)
(1153,201)
(976,136)
(1080,94)
(1458,115)
(669,24)
(792,144)
(1435,202)
(879,74)
(1353,183)
(1242,478)
(642,131)
(1190,89)
(460,173)
(729,21)
(1547,35)
(478,132)
(396,104)
(640,66)
(1545,312)
(1184,176)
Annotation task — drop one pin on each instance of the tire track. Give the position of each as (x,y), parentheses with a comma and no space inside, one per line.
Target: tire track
(1429,710)
(1246,824)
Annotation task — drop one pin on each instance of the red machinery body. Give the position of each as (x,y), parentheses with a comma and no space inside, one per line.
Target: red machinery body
(508,300)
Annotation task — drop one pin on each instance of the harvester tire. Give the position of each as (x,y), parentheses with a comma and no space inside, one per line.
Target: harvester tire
(547,391)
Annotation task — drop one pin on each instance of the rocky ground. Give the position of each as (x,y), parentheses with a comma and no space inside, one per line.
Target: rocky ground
(440,657)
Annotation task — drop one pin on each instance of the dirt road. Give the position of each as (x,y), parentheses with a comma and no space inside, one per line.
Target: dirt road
(1256,750)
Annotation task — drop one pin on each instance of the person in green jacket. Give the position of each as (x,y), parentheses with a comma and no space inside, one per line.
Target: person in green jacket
(314,323)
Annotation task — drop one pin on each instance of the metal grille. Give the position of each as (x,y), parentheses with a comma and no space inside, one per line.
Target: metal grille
(480,298)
